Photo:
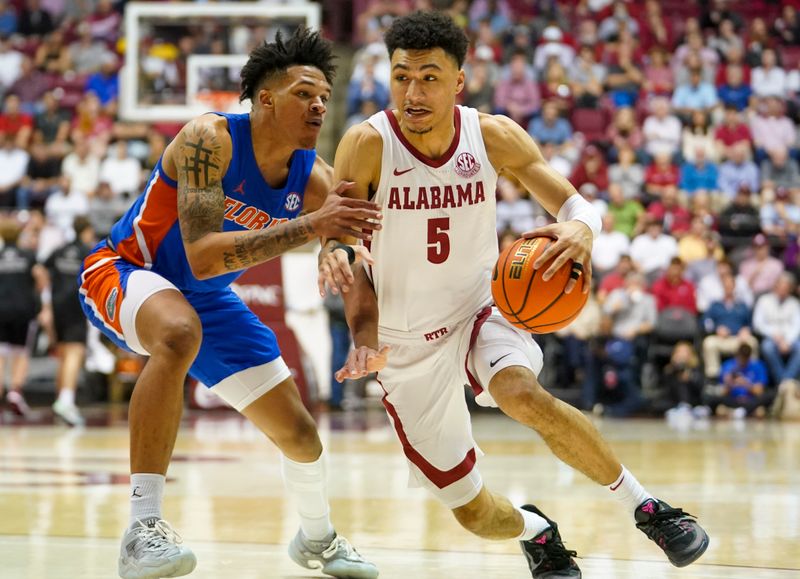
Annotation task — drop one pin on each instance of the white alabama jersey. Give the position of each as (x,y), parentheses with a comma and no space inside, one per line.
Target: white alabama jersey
(435,252)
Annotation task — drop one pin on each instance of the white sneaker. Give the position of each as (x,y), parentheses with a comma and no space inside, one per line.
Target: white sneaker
(337,558)
(739,413)
(69,413)
(151,550)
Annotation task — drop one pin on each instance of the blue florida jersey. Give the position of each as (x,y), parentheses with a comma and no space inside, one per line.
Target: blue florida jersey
(149,235)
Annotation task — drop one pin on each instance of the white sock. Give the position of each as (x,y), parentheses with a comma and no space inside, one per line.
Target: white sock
(147,490)
(628,490)
(67,397)
(533,525)
(308,483)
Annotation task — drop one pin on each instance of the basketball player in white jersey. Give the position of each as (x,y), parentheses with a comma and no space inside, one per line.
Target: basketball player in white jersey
(424,296)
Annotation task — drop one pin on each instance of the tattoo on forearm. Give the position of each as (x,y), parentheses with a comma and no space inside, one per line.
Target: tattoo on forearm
(252,248)
(201,201)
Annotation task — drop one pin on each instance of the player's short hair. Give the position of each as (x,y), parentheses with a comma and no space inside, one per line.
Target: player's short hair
(426,30)
(271,59)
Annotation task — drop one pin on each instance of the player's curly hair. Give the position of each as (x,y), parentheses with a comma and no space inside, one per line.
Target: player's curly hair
(424,30)
(271,59)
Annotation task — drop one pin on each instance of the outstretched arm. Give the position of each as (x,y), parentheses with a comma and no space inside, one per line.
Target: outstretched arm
(512,150)
(203,152)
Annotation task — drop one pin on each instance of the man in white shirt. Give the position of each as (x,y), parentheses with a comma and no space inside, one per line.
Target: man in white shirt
(82,168)
(609,247)
(14,164)
(10,64)
(662,130)
(652,250)
(769,80)
(121,171)
(777,318)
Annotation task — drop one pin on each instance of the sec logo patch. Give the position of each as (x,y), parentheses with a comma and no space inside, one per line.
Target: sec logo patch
(292,202)
(466,165)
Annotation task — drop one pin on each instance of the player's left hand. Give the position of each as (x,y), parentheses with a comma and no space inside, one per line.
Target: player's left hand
(362,361)
(573,240)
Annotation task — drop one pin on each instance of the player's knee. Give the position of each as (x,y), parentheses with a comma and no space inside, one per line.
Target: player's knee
(516,390)
(179,337)
(299,438)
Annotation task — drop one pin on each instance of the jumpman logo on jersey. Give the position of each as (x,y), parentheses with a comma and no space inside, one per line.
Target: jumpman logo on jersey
(240,188)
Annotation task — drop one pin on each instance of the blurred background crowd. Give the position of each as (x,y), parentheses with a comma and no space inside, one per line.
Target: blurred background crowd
(677,120)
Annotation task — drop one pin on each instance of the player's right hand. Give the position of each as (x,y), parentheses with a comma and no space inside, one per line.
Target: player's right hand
(362,361)
(345,217)
(334,269)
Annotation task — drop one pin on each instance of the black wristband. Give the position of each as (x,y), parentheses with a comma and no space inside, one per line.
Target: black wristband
(351,253)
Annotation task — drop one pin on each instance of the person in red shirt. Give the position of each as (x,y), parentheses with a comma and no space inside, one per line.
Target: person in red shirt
(731,131)
(660,175)
(677,219)
(616,278)
(592,169)
(673,291)
(14,123)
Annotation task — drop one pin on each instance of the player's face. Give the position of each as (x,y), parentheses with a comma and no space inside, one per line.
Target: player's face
(299,103)
(424,87)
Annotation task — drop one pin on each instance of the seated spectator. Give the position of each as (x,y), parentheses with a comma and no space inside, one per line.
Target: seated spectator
(695,245)
(517,94)
(52,55)
(787,26)
(779,170)
(700,207)
(553,46)
(624,78)
(104,84)
(122,171)
(35,20)
(624,133)
(14,163)
(87,54)
(659,176)
(739,221)
(368,108)
(30,87)
(699,174)
(728,325)
(591,169)
(676,219)
(615,279)
(732,133)
(695,95)
(744,381)
(627,213)
(761,270)
(15,124)
(655,29)
(549,127)
(105,22)
(41,179)
(609,246)
(771,128)
(8,19)
(580,362)
(367,87)
(616,22)
(479,86)
(738,170)
(662,130)
(587,77)
(560,158)
(736,91)
(698,135)
(758,38)
(769,79)
(694,55)
(555,86)
(627,173)
(673,290)
(82,169)
(10,64)
(710,288)
(61,208)
(684,381)
(727,40)
(514,210)
(776,317)
(92,124)
(521,39)
(105,208)
(652,250)
(780,216)
(658,76)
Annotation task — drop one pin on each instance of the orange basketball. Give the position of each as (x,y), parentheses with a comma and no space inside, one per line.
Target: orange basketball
(525,299)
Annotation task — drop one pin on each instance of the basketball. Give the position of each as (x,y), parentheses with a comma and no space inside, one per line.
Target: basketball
(525,299)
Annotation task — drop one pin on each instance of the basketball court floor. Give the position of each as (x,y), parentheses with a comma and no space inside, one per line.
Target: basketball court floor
(63,499)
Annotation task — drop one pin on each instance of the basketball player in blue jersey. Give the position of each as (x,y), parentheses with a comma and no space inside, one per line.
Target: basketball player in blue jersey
(426,299)
(230,192)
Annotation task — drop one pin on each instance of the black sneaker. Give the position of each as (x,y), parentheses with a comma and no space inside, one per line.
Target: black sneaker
(676,532)
(547,557)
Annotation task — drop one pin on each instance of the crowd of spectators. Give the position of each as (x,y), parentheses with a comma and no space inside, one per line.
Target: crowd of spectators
(677,120)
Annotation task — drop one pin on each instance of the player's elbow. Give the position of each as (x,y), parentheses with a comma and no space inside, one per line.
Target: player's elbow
(202,267)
